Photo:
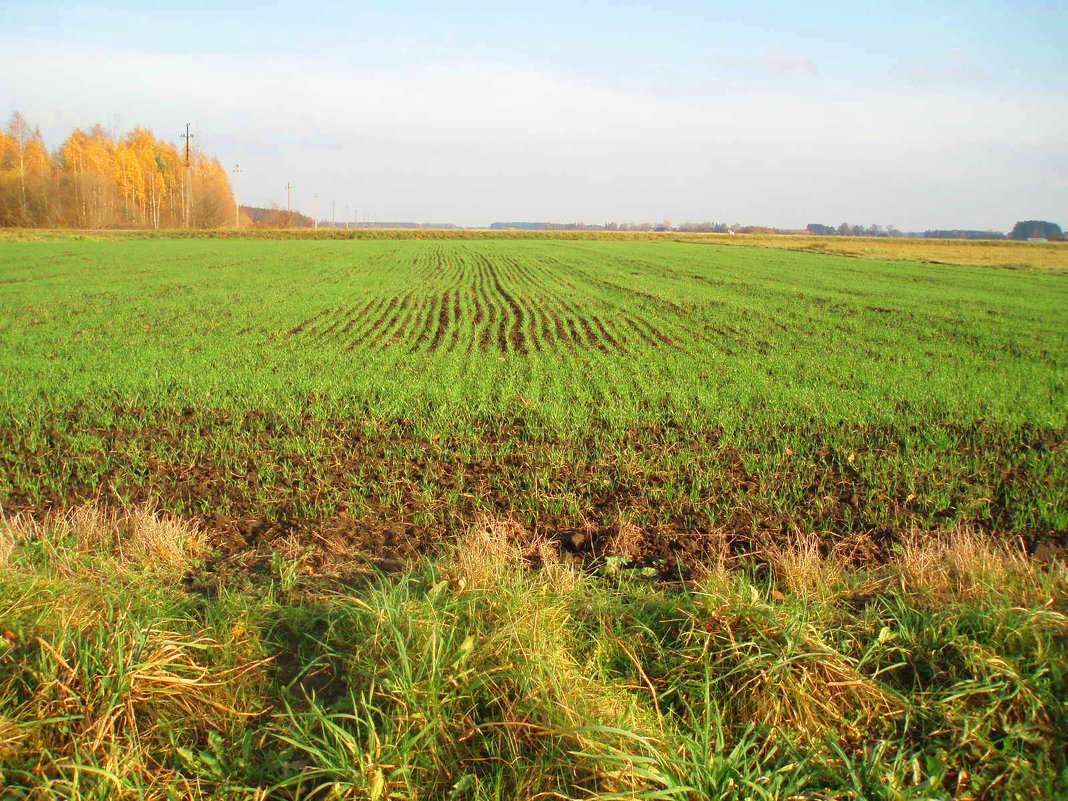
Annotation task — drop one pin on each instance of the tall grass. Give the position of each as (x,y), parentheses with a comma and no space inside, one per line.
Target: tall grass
(503,670)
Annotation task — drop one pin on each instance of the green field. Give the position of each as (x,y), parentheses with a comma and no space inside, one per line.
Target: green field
(392,391)
(529,518)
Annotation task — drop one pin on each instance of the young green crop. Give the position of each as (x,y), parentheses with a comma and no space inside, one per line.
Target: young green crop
(398,388)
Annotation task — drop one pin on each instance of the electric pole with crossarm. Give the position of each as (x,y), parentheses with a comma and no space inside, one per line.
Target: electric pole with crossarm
(188,173)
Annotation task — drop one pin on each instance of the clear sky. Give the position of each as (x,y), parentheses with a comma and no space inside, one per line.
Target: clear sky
(918,114)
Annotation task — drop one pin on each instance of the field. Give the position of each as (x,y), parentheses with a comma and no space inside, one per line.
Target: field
(1045,256)
(611,516)
(392,391)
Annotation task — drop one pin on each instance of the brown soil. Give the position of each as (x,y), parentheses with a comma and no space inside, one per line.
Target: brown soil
(267,490)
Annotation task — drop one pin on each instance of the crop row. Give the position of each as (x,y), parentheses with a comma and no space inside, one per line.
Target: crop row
(457,301)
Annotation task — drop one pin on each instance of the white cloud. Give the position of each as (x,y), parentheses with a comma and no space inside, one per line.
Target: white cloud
(773,63)
(470,142)
(952,69)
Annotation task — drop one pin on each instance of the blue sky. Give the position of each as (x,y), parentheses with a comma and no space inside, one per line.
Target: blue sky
(913,114)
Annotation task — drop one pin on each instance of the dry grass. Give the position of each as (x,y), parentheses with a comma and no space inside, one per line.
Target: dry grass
(627,541)
(496,549)
(961,563)
(1047,256)
(7,544)
(107,703)
(781,672)
(134,538)
(505,662)
(968,564)
(803,686)
(100,674)
(804,567)
(528,589)
(154,675)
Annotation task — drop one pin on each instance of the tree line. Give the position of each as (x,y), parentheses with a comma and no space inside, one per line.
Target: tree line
(1037,229)
(97,180)
(846,229)
(1025,229)
(274,217)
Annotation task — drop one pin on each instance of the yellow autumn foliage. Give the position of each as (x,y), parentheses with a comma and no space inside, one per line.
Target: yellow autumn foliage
(97,180)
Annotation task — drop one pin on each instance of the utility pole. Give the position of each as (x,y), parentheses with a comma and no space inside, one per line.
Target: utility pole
(237,205)
(289,205)
(187,136)
(188,172)
(333,213)
(315,212)
(355,224)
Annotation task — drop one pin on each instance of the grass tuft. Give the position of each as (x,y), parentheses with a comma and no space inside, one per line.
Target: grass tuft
(804,567)
(964,563)
(782,670)
(134,539)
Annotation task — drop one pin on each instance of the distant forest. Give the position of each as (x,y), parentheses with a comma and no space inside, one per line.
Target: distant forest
(274,217)
(1037,229)
(845,229)
(1027,229)
(99,180)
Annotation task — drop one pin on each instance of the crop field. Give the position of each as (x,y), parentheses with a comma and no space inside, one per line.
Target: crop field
(391,392)
(480,519)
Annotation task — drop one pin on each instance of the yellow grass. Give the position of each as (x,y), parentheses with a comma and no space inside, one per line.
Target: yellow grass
(495,549)
(108,687)
(7,544)
(133,538)
(1046,256)
(963,563)
(782,673)
(803,569)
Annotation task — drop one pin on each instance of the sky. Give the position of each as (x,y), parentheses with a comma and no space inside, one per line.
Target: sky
(913,114)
